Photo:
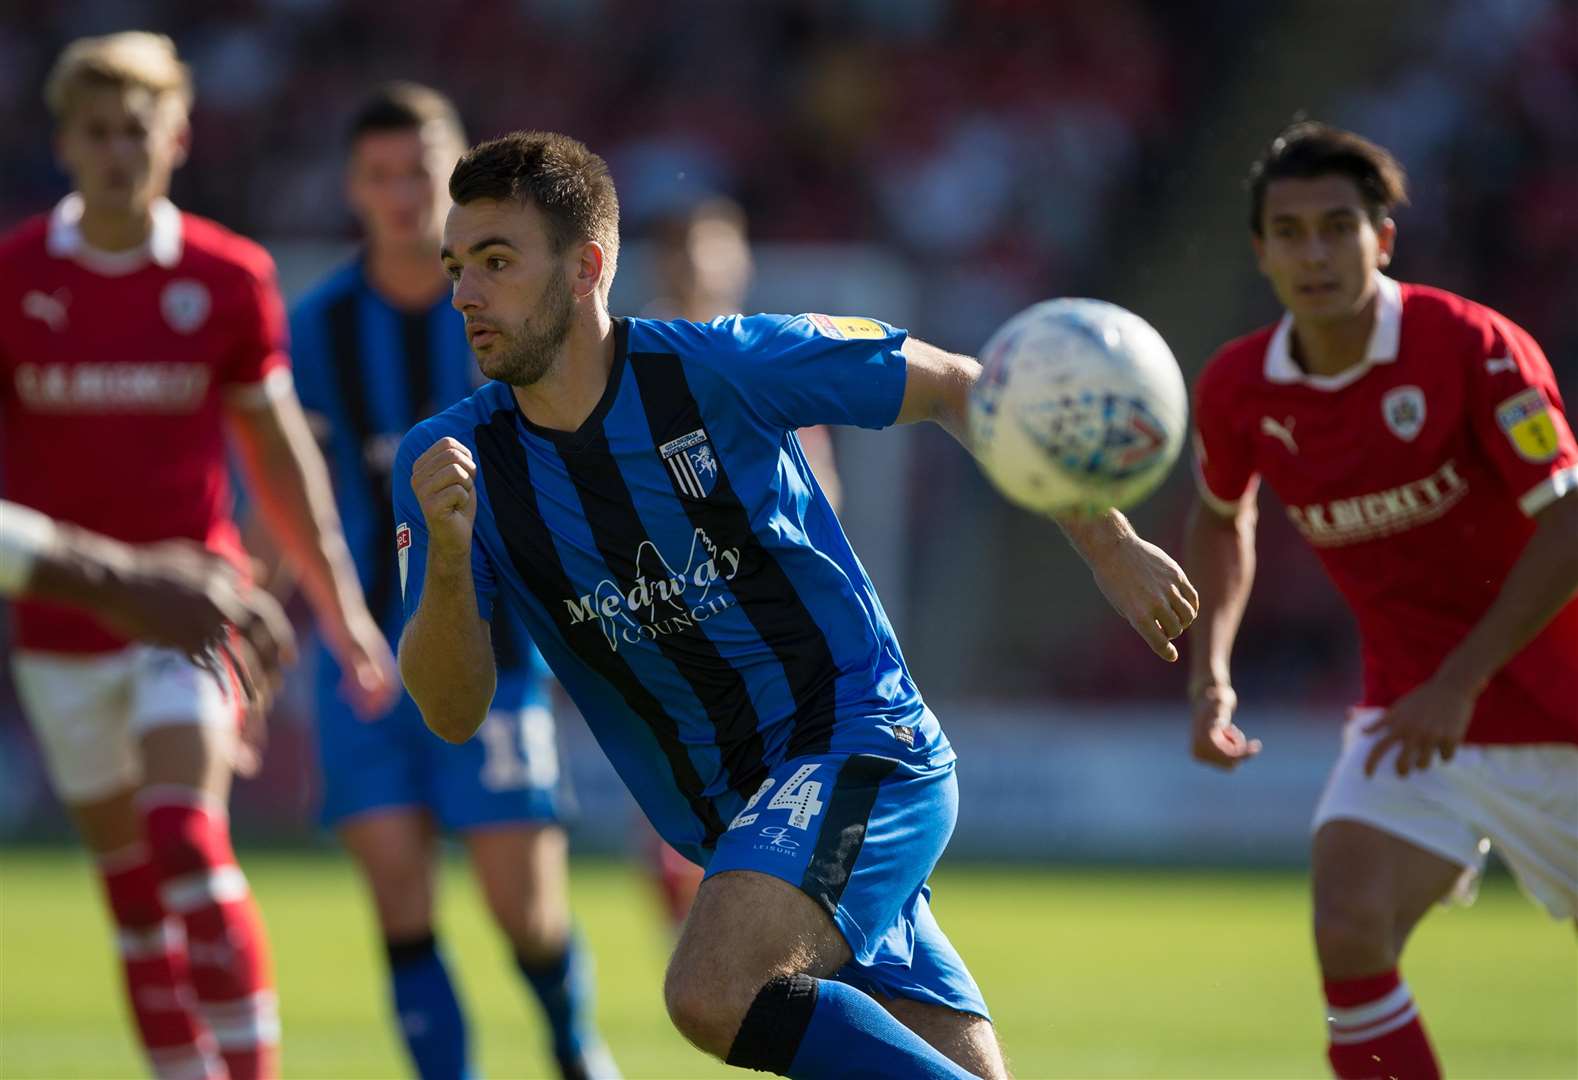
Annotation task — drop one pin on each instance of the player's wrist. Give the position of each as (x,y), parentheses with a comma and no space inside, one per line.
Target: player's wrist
(1209,684)
(1461,677)
(1097,536)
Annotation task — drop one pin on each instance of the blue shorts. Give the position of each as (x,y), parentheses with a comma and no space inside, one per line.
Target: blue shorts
(860,834)
(508,773)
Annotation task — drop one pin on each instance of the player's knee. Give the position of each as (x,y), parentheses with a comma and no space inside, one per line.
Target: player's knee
(706,1011)
(1353,935)
(537,931)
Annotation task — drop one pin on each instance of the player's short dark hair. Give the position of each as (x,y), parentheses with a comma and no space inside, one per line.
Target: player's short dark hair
(404,106)
(567,183)
(1308,149)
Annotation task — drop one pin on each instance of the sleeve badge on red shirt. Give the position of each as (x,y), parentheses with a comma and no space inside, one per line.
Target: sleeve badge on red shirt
(1525,418)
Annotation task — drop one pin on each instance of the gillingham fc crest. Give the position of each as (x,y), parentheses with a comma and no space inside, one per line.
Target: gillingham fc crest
(692,463)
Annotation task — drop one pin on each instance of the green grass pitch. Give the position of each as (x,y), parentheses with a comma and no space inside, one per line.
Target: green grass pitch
(1090,973)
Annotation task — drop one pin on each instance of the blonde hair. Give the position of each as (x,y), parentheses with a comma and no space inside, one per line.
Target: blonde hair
(134,58)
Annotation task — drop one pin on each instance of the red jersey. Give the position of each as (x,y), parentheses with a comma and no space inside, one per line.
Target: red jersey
(114,368)
(1414,476)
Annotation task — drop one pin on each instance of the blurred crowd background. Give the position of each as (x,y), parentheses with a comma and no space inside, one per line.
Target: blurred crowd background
(956,160)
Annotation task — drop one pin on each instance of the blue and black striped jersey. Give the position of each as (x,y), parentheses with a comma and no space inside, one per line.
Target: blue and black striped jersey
(371,371)
(680,568)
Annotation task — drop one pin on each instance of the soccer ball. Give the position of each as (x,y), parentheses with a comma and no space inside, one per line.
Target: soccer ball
(1080,407)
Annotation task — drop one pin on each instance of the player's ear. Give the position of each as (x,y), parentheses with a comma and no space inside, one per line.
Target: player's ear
(183,144)
(1258,243)
(588,270)
(1385,242)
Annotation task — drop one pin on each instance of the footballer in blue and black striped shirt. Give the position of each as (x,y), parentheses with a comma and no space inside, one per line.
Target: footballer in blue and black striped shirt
(634,490)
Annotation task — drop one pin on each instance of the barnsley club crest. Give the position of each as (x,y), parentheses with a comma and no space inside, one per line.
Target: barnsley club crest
(1403,408)
(692,463)
(185,305)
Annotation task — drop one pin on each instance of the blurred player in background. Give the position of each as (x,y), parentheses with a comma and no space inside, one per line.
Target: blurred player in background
(378,348)
(133,338)
(635,490)
(702,269)
(1418,441)
(177,595)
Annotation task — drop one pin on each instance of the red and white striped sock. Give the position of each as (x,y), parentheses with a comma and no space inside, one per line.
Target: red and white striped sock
(227,951)
(1376,1032)
(153,958)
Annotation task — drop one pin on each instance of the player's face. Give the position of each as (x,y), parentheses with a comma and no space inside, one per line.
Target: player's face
(120,145)
(511,286)
(1318,247)
(395,183)
(710,259)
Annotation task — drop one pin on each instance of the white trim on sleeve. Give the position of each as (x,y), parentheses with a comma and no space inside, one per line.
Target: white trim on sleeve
(1550,489)
(1225,507)
(272,387)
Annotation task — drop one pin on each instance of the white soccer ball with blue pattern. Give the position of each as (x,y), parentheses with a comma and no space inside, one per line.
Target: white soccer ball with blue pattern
(1080,407)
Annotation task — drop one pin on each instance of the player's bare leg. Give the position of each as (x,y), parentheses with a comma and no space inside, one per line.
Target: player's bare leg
(751,936)
(395,850)
(186,770)
(1371,889)
(524,874)
(969,1040)
(525,878)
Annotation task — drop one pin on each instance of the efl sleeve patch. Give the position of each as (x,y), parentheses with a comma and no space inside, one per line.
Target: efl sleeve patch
(403,551)
(847,327)
(1525,418)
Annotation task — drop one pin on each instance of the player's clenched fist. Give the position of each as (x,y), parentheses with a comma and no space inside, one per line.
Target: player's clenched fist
(444,480)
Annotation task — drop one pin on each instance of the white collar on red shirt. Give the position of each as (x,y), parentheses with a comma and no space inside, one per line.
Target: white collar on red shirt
(163,245)
(1282,368)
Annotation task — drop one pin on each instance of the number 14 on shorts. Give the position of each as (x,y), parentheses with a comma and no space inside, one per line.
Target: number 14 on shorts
(799,795)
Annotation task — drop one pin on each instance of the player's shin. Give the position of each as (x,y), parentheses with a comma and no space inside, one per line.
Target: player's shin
(805,1028)
(189,838)
(153,956)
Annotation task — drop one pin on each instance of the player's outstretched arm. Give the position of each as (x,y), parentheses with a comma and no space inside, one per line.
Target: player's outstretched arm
(174,594)
(1140,580)
(1433,718)
(1219,552)
(286,474)
(446,652)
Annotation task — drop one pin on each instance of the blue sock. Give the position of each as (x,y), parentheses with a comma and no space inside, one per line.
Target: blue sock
(427,1010)
(564,989)
(806,1028)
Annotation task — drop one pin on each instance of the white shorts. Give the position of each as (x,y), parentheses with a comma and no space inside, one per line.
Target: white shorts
(1522,799)
(89,711)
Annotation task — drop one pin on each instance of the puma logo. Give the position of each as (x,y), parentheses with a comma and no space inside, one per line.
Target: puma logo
(1503,363)
(1283,432)
(48,308)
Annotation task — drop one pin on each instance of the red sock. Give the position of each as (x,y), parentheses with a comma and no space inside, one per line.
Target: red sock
(1376,1032)
(226,948)
(677,879)
(153,956)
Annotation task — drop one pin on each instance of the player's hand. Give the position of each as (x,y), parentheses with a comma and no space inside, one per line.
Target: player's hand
(1149,589)
(371,679)
(1214,739)
(182,596)
(1429,720)
(444,481)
